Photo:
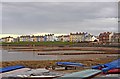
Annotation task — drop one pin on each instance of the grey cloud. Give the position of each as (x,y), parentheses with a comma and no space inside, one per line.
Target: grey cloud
(30,17)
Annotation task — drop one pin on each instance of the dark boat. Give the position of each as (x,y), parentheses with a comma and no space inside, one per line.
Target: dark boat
(108,66)
(114,71)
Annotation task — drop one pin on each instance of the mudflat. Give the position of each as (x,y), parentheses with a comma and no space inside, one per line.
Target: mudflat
(88,60)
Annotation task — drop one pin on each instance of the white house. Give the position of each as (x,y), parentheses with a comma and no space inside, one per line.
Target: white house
(50,37)
(77,37)
(25,38)
(66,38)
(7,39)
(115,38)
(56,38)
(90,38)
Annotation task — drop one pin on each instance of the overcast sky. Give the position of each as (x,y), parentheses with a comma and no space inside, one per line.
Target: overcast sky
(59,17)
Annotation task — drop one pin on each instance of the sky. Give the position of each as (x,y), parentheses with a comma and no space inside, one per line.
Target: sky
(20,18)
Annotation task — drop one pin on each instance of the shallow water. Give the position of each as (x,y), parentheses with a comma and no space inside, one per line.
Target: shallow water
(14,56)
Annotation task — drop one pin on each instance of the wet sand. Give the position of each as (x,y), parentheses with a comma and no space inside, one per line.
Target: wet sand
(42,63)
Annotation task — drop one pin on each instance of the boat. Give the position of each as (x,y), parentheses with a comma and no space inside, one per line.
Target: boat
(108,66)
(66,65)
(36,77)
(114,71)
(82,74)
(34,74)
(10,68)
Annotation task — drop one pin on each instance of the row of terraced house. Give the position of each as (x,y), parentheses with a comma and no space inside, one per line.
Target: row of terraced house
(104,37)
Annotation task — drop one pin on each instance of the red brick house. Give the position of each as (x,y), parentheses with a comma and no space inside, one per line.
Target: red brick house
(105,37)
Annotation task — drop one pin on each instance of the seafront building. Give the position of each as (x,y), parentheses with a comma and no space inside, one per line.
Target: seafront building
(105,37)
(115,38)
(60,38)
(64,38)
(25,38)
(77,37)
(91,38)
(82,37)
(33,38)
(37,38)
(7,39)
(49,37)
